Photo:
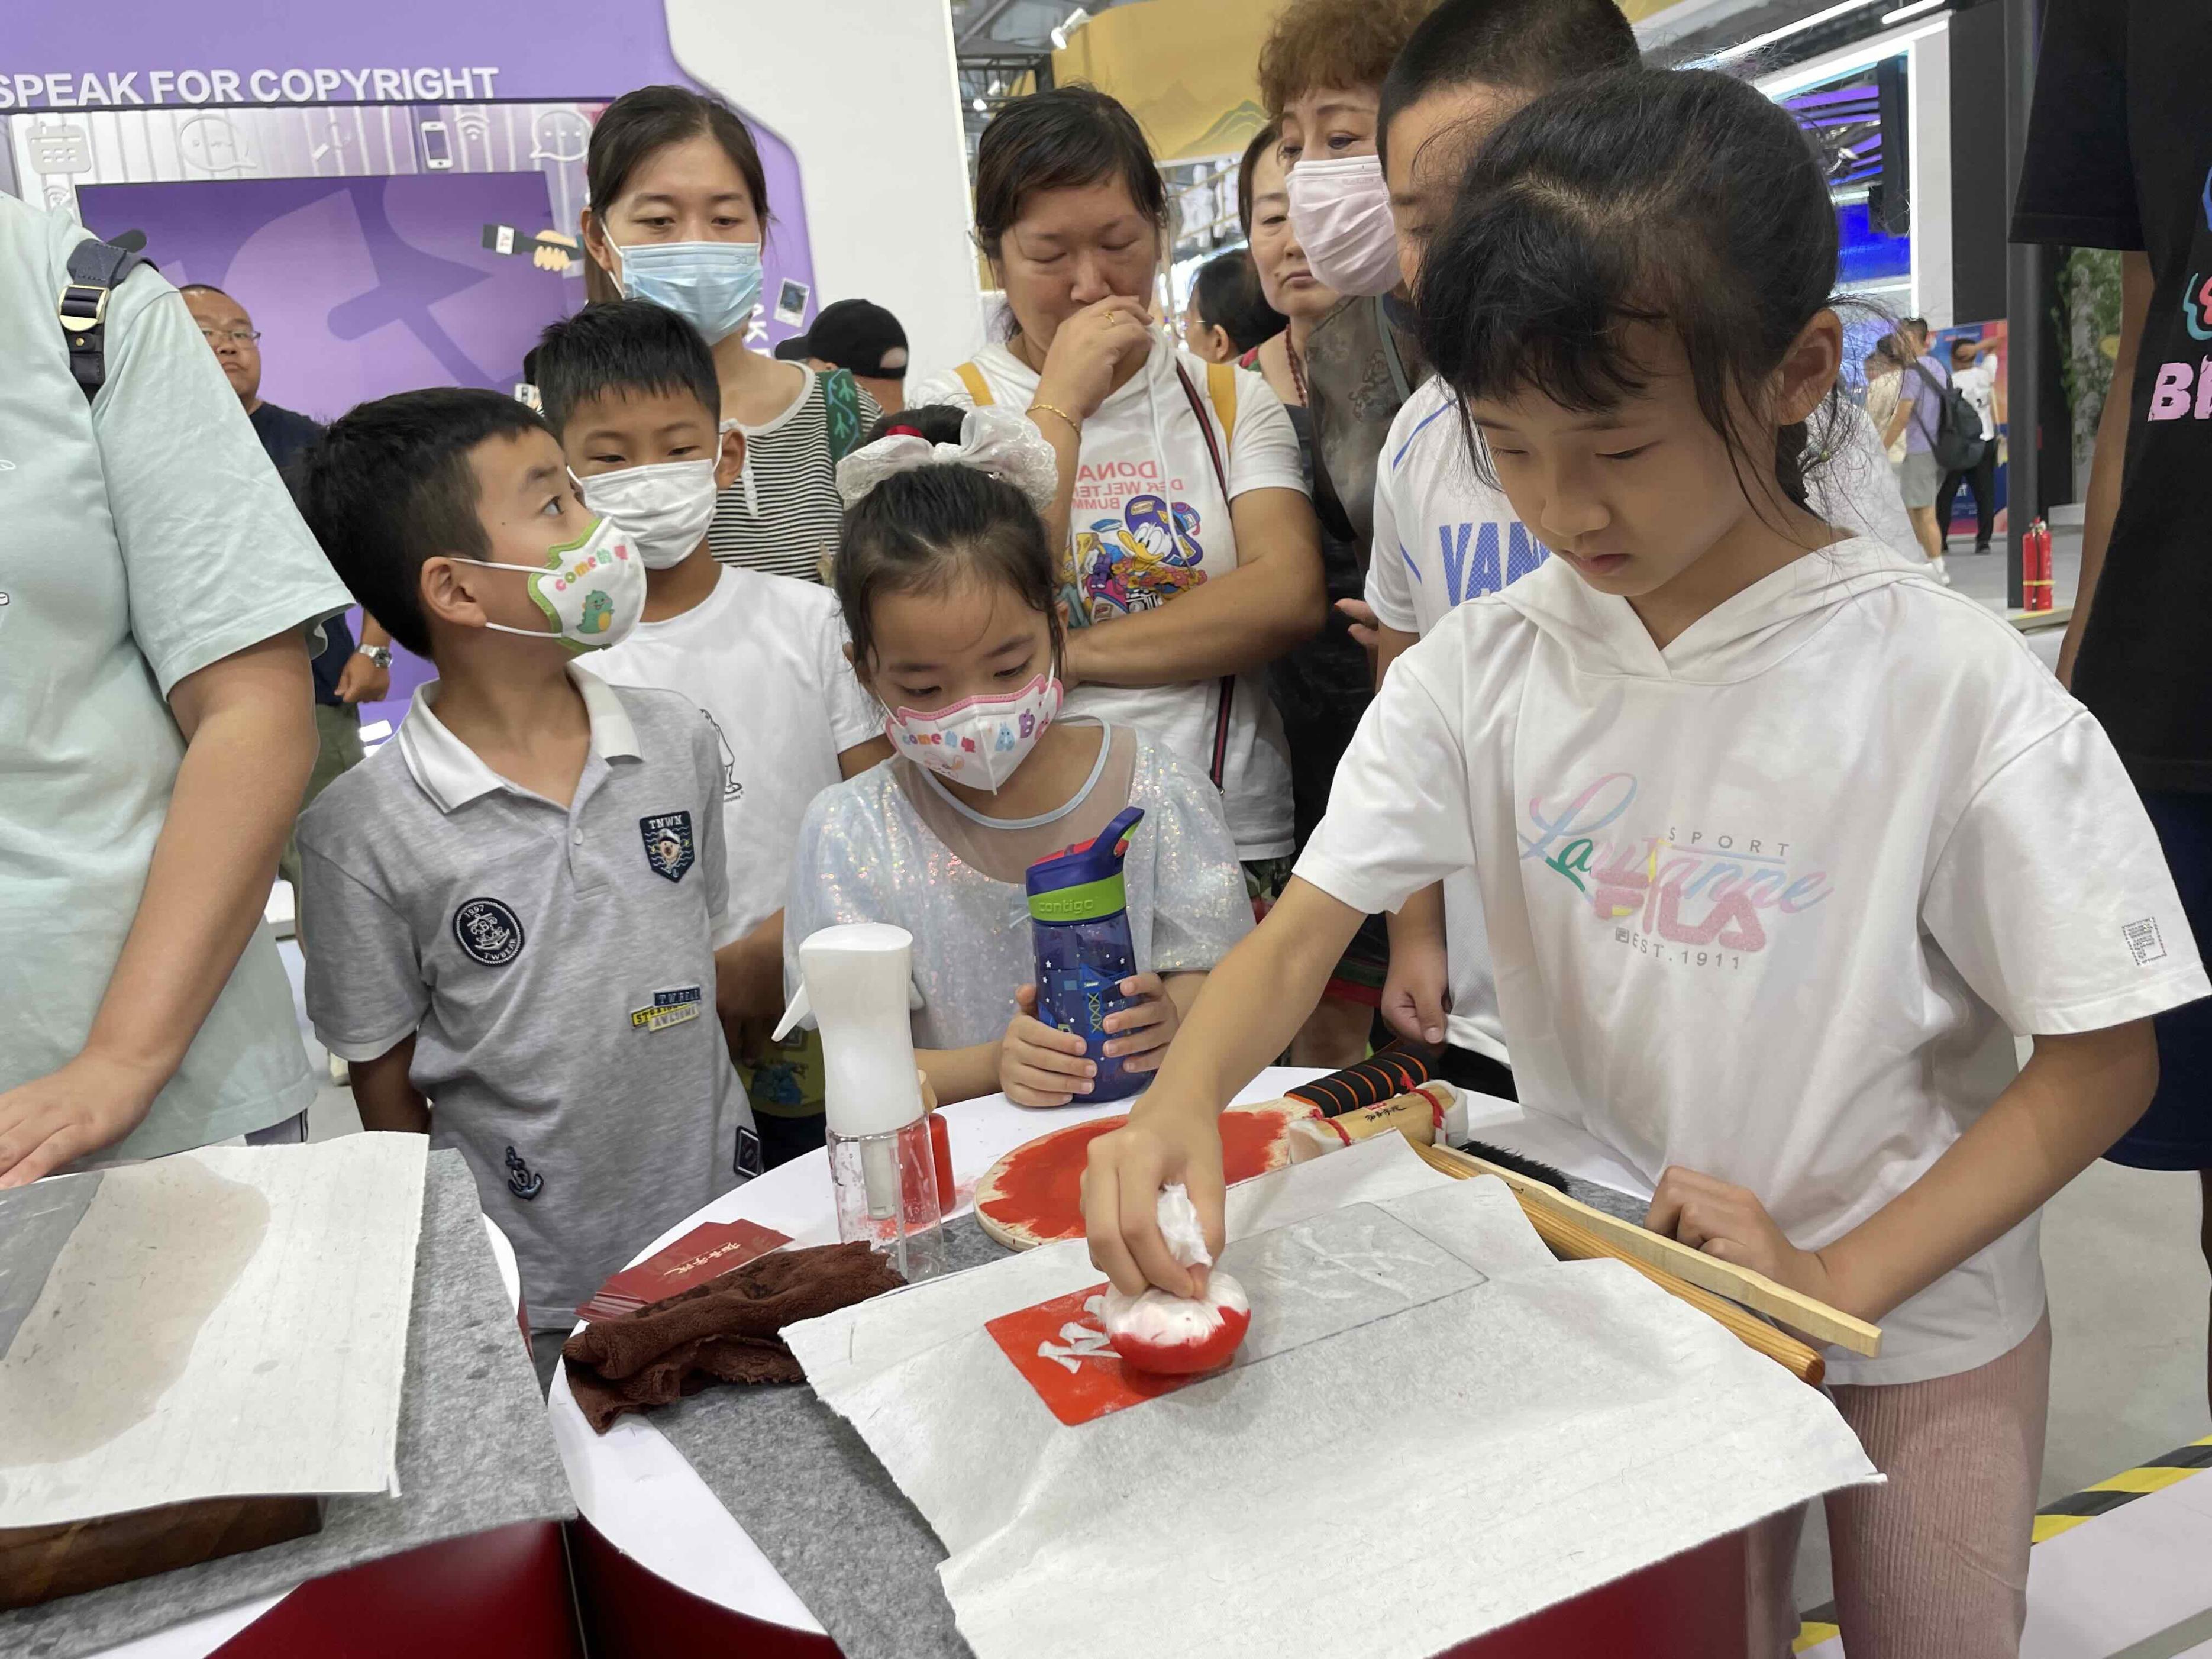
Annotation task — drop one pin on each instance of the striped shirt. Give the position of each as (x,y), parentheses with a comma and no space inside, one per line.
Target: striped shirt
(782,514)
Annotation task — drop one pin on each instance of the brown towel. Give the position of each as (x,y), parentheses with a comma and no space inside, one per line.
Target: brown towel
(723,1330)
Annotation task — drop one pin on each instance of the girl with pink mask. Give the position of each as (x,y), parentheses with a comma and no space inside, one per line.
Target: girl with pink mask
(950,592)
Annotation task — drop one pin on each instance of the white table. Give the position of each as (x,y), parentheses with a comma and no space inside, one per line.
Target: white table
(639,1491)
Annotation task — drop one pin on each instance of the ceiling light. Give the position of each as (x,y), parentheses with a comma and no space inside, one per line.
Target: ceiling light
(978,106)
(1067,25)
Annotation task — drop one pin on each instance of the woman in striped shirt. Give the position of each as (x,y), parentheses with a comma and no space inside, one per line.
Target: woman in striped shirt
(679,209)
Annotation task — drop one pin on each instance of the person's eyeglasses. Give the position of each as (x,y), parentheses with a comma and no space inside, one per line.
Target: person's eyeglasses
(235,336)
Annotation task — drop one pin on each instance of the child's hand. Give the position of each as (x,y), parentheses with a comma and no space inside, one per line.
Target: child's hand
(1148,1024)
(1731,1224)
(1039,1065)
(1417,991)
(1364,623)
(1122,1187)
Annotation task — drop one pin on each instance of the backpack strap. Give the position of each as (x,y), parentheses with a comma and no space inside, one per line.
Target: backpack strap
(979,389)
(1221,392)
(1225,688)
(840,407)
(94,269)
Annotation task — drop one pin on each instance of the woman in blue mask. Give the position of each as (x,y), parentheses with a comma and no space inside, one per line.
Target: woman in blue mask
(680,210)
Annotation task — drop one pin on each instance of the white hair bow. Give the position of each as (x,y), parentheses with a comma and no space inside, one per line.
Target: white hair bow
(992,440)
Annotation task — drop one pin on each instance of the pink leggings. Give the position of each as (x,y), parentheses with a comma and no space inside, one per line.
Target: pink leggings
(1934,1564)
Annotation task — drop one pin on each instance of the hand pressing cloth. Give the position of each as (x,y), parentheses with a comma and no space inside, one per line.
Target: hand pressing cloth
(723,1331)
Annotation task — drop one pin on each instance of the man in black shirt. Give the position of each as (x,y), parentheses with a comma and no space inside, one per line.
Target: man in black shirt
(2119,155)
(345,676)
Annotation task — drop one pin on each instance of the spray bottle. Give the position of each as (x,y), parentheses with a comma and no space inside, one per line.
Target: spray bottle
(883,1165)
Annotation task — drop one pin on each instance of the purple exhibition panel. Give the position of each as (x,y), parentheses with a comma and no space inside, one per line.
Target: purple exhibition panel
(360,287)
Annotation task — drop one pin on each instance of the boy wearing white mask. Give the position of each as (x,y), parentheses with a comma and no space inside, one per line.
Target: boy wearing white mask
(515,900)
(628,387)
(949,584)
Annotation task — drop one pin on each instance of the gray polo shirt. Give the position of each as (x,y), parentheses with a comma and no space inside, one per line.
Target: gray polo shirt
(552,964)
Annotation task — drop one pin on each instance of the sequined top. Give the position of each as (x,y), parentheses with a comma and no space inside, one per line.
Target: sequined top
(875,848)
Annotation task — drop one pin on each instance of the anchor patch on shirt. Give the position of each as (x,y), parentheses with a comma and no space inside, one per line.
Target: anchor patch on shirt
(521,1180)
(667,843)
(487,931)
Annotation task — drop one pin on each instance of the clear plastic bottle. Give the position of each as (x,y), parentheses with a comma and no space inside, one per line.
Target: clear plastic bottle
(1079,925)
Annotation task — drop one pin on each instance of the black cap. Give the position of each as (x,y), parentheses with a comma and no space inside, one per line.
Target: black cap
(861,336)
(793,351)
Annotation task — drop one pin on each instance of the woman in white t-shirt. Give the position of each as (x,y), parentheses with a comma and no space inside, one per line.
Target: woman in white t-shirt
(1759,926)
(1194,561)
(680,209)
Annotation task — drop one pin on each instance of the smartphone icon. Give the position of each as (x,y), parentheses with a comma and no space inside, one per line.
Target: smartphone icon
(437,153)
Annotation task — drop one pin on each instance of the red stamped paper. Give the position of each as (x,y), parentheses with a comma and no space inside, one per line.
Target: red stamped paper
(698,1257)
(1061,1348)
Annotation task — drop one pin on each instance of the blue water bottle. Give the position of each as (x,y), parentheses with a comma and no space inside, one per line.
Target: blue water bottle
(1079,923)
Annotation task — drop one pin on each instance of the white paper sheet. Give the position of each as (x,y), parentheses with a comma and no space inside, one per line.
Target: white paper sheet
(227,1322)
(1419,1371)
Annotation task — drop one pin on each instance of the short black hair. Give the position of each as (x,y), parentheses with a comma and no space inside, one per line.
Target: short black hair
(390,485)
(1063,139)
(621,346)
(1677,198)
(1530,45)
(1226,295)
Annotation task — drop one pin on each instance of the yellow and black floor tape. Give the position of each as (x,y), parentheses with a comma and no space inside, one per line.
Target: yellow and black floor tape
(2064,1516)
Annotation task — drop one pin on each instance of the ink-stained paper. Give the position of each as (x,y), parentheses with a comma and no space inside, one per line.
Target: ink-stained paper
(1522,1430)
(222,1322)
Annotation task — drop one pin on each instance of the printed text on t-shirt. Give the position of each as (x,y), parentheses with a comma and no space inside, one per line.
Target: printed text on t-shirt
(1693,886)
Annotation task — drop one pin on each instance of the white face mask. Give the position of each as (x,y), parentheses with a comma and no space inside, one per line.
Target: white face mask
(982,741)
(1340,209)
(664,508)
(592,590)
(713,286)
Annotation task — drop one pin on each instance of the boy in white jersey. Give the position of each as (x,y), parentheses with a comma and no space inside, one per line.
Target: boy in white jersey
(1441,535)
(628,387)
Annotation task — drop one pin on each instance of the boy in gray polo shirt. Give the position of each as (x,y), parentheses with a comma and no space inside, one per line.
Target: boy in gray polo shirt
(513,902)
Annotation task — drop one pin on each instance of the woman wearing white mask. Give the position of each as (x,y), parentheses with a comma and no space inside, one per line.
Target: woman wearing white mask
(949,585)
(1193,559)
(1321,73)
(679,209)
(1324,686)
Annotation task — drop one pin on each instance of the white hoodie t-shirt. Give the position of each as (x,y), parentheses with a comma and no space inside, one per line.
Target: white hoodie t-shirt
(1770,903)
(1443,537)
(1149,523)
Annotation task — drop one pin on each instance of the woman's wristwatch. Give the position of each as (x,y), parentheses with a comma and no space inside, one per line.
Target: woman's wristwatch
(379,654)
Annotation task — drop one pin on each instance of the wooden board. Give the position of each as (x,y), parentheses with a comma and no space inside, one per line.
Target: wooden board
(40,1564)
(1034,1194)
(1708,1273)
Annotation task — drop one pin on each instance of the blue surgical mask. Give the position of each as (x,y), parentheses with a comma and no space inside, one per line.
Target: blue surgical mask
(713,286)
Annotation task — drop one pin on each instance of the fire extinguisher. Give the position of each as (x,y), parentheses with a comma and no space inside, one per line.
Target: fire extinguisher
(2035,578)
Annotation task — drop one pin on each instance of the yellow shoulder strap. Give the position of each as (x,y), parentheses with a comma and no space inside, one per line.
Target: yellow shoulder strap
(979,389)
(1221,392)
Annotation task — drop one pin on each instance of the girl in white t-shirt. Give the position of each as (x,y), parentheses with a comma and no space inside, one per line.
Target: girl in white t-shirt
(947,584)
(1192,560)
(1760,925)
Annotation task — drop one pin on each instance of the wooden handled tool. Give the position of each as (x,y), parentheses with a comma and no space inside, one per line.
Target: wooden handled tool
(1419,1114)
(1755,1291)
(1573,1242)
